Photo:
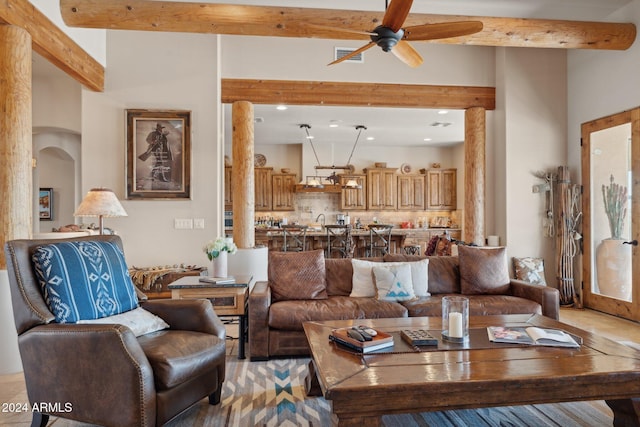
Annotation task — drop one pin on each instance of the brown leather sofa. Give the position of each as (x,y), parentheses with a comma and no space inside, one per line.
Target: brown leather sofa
(275,328)
(102,373)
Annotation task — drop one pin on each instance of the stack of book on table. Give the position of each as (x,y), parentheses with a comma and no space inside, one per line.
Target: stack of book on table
(354,339)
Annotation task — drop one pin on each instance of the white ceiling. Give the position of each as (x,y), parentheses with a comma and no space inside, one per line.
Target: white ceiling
(390,126)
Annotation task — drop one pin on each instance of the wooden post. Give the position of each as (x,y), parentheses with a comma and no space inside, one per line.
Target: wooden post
(474,175)
(242,184)
(15,135)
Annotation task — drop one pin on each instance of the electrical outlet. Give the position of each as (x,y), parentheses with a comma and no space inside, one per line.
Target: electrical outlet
(183,223)
(198,223)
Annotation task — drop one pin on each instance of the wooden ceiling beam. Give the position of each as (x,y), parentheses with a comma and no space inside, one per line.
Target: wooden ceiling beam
(53,44)
(146,15)
(294,92)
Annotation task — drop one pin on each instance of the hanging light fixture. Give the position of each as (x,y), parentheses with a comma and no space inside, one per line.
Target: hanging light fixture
(347,167)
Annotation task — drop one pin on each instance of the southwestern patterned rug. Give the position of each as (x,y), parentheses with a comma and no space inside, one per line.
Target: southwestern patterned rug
(272,394)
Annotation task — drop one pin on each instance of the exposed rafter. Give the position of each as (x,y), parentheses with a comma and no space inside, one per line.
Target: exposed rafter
(50,42)
(146,15)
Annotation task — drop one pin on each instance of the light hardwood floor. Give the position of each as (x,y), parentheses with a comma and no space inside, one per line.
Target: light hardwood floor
(12,388)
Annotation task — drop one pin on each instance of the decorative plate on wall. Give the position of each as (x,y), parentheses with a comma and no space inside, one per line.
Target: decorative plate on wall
(405,168)
(259,160)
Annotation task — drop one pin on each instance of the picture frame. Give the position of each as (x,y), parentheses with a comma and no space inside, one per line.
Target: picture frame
(158,154)
(45,203)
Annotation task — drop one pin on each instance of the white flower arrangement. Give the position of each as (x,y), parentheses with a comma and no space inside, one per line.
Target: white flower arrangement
(221,244)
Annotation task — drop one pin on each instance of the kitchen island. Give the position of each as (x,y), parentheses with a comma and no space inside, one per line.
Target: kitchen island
(317,238)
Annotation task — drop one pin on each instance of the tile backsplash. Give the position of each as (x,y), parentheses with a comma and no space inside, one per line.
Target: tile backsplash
(308,206)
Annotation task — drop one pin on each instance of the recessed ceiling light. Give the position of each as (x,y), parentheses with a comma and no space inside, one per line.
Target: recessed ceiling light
(281,107)
(370,138)
(333,125)
(309,137)
(443,112)
(427,139)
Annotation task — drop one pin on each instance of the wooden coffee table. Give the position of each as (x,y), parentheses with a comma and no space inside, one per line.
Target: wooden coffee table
(474,375)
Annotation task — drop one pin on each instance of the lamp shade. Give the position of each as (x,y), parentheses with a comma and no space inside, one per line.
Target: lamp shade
(100,202)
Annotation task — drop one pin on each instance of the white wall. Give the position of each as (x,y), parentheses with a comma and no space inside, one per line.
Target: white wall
(158,71)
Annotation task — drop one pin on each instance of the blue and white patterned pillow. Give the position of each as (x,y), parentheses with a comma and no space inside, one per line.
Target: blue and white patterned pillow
(84,280)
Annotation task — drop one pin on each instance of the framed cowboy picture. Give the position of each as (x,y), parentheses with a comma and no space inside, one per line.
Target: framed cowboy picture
(158,154)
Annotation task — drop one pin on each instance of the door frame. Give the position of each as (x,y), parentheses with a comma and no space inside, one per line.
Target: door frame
(626,309)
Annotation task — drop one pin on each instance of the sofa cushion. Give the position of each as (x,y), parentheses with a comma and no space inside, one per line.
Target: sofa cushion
(139,320)
(297,275)
(289,315)
(339,273)
(483,270)
(393,282)
(530,270)
(479,305)
(84,280)
(176,356)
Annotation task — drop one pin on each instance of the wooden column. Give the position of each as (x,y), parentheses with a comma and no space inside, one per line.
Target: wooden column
(15,135)
(474,175)
(242,183)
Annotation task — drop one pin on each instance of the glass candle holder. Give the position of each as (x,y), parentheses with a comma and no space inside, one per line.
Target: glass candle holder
(455,319)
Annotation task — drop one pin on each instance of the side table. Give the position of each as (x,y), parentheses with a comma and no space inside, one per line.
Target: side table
(228,301)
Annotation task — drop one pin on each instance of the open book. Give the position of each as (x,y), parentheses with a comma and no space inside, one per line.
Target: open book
(531,335)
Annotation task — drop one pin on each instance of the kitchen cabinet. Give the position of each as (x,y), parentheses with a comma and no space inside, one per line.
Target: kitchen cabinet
(263,186)
(353,198)
(381,188)
(228,193)
(283,191)
(411,192)
(441,189)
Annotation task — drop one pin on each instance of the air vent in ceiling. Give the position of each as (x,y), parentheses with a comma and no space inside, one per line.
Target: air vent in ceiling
(339,52)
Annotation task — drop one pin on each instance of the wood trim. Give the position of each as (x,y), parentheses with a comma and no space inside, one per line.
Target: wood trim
(356,94)
(53,44)
(278,21)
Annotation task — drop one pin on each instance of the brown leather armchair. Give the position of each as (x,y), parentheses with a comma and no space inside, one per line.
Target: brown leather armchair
(103,374)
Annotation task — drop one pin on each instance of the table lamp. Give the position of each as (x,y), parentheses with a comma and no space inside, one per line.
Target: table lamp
(100,202)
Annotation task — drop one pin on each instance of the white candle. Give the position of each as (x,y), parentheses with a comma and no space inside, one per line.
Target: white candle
(455,325)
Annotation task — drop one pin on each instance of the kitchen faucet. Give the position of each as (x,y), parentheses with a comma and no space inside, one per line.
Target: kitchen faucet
(324,220)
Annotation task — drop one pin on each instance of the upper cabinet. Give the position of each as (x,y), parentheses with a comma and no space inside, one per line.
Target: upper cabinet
(441,189)
(411,192)
(283,186)
(353,198)
(381,188)
(263,188)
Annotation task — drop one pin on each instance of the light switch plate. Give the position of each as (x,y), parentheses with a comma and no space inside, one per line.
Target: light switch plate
(183,223)
(198,223)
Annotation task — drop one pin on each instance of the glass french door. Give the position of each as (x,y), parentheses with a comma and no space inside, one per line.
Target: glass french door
(611,208)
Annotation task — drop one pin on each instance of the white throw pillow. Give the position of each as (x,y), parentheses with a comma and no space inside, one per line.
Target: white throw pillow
(393,282)
(363,284)
(419,276)
(139,320)
(362,280)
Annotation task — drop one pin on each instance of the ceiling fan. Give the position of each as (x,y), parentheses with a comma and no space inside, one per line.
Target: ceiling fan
(391,37)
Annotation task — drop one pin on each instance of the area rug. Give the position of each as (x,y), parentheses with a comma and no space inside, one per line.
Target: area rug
(272,394)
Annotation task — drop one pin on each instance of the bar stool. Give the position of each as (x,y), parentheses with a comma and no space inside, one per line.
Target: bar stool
(339,240)
(294,238)
(379,239)
(412,249)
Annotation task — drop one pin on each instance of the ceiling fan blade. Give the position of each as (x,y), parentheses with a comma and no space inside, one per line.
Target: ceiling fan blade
(396,14)
(354,53)
(407,54)
(338,29)
(443,30)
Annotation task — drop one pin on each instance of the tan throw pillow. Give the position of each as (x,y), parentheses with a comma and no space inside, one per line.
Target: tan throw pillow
(530,270)
(483,270)
(297,275)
